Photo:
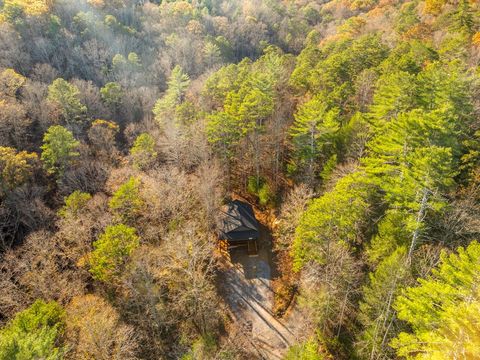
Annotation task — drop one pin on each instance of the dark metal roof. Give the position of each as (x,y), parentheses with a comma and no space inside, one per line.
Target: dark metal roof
(239,222)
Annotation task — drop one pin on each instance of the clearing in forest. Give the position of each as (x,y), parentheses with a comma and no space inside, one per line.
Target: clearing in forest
(246,286)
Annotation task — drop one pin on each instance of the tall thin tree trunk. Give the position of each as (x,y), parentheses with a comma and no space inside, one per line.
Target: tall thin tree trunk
(419,220)
(312,151)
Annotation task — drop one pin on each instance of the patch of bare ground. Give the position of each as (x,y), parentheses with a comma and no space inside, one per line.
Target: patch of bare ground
(247,287)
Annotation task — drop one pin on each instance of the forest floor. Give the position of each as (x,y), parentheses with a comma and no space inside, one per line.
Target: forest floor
(246,283)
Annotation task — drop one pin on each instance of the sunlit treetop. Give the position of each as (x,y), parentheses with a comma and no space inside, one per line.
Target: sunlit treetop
(15,167)
(106,124)
(34,333)
(434,6)
(182,8)
(10,82)
(74,204)
(476,39)
(31,7)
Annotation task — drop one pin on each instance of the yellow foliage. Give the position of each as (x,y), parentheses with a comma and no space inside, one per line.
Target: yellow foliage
(434,6)
(10,82)
(15,168)
(419,31)
(476,39)
(83,309)
(377,11)
(82,262)
(106,124)
(32,7)
(182,8)
(361,4)
(94,330)
(352,26)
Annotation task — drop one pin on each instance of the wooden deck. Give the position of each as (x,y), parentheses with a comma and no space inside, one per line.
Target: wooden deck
(251,246)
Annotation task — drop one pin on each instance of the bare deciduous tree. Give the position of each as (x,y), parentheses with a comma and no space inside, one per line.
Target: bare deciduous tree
(94,331)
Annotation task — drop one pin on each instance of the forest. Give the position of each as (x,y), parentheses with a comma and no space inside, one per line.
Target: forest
(351,126)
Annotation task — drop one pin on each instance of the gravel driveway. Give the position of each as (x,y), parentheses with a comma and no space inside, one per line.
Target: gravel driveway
(246,283)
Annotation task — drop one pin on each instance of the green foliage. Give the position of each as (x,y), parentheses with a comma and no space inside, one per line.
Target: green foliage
(376,314)
(81,22)
(74,203)
(453,46)
(314,135)
(335,66)
(261,189)
(395,94)
(58,149)
(116,26)
(112,94)
(407,17)
(225,80)
(186,113)
(338,215)
(328,168)
(177,86)
(13,13)
(34,333)
(443,310)
(447,86)
(418,149)
(378,114)
(204,348)
(121,65)
(223,131)
(393,232)
(410,57)
(143,151)
(257,103)
(354,135)
(463,17)
(134,60)
(248,99)
(66,96)
(119,62)
(307,350)
(470,160)
(126,203)
(55,24)
(413,160)
(111,251)
(306,61)
(212,53)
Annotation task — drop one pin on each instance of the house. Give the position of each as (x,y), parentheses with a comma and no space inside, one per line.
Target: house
(239,227)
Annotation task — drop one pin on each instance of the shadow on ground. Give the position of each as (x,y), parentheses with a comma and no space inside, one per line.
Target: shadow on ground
(246,285)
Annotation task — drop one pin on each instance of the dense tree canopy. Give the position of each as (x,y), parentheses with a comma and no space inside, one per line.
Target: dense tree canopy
(351,126)
(34,333)
(111,251)
(58,149)
(442,310)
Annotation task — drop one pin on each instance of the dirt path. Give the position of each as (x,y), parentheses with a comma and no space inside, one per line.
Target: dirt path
(247,290)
